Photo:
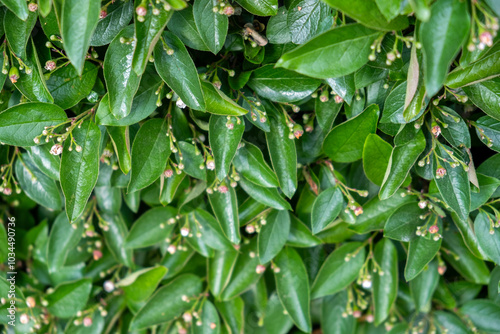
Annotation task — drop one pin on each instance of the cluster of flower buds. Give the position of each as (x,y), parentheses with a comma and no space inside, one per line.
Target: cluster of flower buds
(296,130)
(230,122)
(432,231)
(224,8)
(255,110)
(255,226)
(484,138)
(486,33)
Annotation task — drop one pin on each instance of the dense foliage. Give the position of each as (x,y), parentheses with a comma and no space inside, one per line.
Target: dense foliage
(250,167)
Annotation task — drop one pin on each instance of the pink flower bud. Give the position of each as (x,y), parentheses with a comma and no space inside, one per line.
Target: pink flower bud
(441,270)
(260,269)
(168,173)
(338,99)
(32,7)
(440,172)
(358,210)
(24,319)
(141,11)
(103,14)
(223,189)
(56,149)
(356,314)
(486,38)
(87,321)
(97,254)
(7,191)
(433,229)
(171,249)
(229,10)
(50,65)
(30,302)
(436,130)
(422,204)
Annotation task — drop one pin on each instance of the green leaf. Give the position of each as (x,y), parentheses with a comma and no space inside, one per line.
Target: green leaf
(268,196)
(403,157)
(63,237)
(115,236)
(225,207)
(151,227)
(300,235)
(345,142)
(343,87)
(108,27)
(150,152)
(335,53)
(478,72)
(326,208)
(122,82)
(282,151)
(38,186)
(249,162)
(420,252)
(141,284)
(336,273)
(451,322)
(488,130)
(368,13)
(281,85)
(32,83)
(273,235)
(69,298)
(68,87)
(208,317)
(423,286)
(78,21)
(220,268)
(210,230)
(224,137)
(18,7)
(314,17)
(97,319)
(395,108)
(260,7)
(147,33)
(455,131)
(376,212)
(277,31)
(326,113)
(484,314)
(486,96)
(211,25)
(18,31)
(183,25)
(169,187)
(403,223)
(219,103)
(454,186)
(179,71)
(385,280)
(192,159)
(121,143)
(376,156)
(331,322)
(390,9)
(442,37)
(167,303)
(233,313)
(109,199)
(489,242)
(79,170)
(292,285)
(487,187)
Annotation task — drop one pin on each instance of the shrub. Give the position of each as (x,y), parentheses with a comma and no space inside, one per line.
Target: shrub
(250,167)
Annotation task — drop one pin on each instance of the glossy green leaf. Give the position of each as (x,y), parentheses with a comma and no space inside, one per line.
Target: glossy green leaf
(220,268)
(488,130)
(300,235)
(368,13)
(210,230)
(78,21)
(453,127)
(487,187)
(483,313)
(209,318)
(343,87)
(489,242)
(273,235)
(232,311)
(69,298)
(47,163)
(120,137)
(225,207)
(441,38)
(335,53)
(423,286)
(313,18)
(18,7)
(249,162)
(224,137)
(115,20)
(403,223)
(420,252)
(169,187)
(109,199)
(268,196)
(79,170)
(151,227)
(345,142)
(331,307)
(167,303)
(219,103)
(192,159)
(326,208)
(376,156)
(38,186)
(18,31)
(150,152)
(122,82)
(326,113)
(183,25)
(292,285)
(336,273)
(282,151)
(478,72)
(277,28)
(63,236)
(178,71)
(211,25)
(403,157)
(68,87)
(451,322)
(140,285)
(115,236)
(385,280)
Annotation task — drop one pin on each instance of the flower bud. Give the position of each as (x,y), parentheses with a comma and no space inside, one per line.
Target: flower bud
(56,149)
(297,131)
(50,65)
(87,321)
(433,229)
(141,11)
(13,74)
(260,269)
(96,254)
(32,7)
(358,210)
(440,172)
(108,286)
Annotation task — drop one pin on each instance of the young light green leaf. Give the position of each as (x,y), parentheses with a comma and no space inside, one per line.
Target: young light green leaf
(345,142)
(224,137)
(335,53)
(122,82)
(79,168)
(168,302)
(442,37)
(69,298)
(63,236)
(177,69)
(336,273)
(38,186)
(152,227)
(385,280)
(150,152)
(249,162)
(212,26)
(121,143)
(148,30)
(219,103)
(326,208)
(376,156)
(282,151)
(292,285)
(273,235)
(78,20)
(141,284)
